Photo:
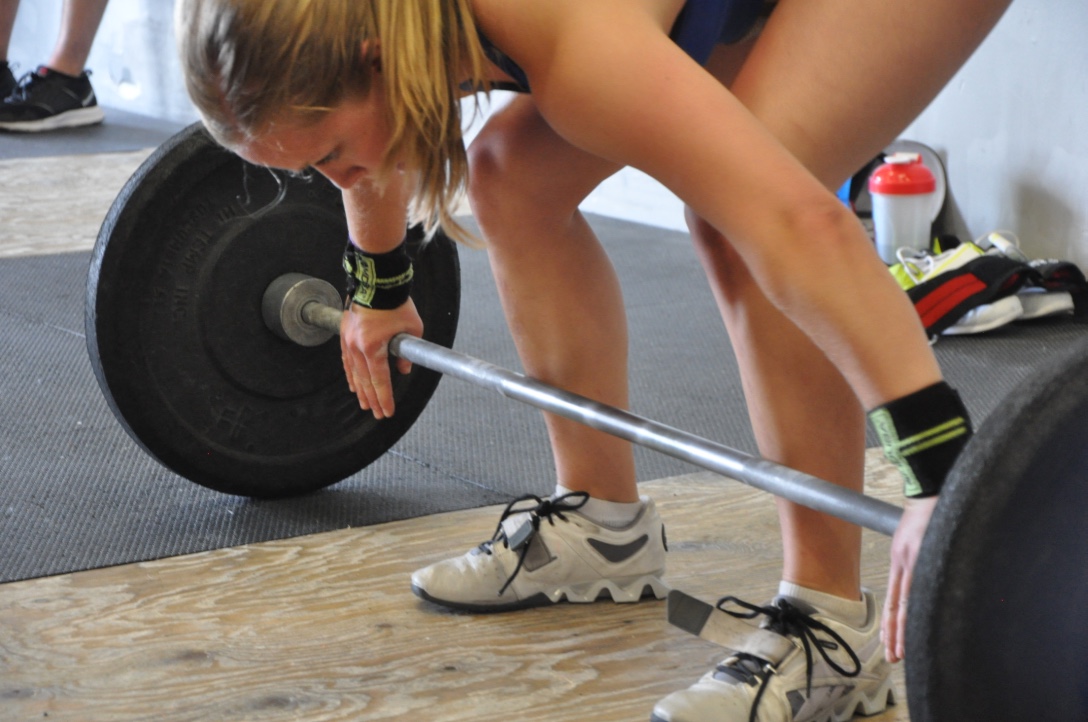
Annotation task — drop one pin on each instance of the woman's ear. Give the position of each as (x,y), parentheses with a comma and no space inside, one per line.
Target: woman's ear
(372,53)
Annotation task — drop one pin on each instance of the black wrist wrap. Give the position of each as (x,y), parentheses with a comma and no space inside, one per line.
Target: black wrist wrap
(381,281)
(922,434)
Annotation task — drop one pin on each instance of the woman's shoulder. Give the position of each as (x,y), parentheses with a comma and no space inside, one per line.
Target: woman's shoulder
(521,36)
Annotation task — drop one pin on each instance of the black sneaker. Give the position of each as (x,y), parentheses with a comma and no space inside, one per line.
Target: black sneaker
(8,84)
(46,100)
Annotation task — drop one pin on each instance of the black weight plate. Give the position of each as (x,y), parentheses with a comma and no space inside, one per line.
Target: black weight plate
(178,343)
(996,618)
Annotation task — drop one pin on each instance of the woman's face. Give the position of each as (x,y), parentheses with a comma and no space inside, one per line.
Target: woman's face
(346,144)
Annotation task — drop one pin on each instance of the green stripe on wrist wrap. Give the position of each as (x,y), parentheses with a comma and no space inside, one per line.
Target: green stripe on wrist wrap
(922,435)
(381,281)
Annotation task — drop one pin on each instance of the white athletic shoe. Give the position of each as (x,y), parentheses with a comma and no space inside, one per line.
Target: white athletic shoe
(988,316)
(800,666)
(548,552)
(917,267)
(1039,303)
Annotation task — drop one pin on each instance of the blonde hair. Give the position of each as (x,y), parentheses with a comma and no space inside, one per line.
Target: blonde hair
(250,63)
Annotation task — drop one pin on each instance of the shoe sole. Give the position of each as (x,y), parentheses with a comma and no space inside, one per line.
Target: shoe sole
(1002,311)
(641,588)
(858,702)
(69,119)
(1040,305)
(869,704)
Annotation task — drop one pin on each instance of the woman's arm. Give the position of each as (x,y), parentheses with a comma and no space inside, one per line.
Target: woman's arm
(377,219)
(606,76)
(377,216)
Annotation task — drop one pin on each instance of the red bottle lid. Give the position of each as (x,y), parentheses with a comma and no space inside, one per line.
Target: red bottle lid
(902,174)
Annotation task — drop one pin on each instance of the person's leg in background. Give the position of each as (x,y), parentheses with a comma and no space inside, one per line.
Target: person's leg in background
(8,10)
(57,94)
(78,28)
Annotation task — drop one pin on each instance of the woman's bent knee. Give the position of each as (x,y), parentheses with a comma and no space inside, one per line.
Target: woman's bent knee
(492,186)
(716,254)
(522,172)
(507,184)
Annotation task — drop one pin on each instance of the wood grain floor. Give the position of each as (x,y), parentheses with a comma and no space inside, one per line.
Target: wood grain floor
(325,627)
(56,204)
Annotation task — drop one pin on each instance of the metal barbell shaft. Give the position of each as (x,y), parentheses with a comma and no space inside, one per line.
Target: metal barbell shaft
(757,472)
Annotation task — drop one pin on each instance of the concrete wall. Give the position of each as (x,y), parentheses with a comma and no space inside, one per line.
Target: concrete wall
(1012,125)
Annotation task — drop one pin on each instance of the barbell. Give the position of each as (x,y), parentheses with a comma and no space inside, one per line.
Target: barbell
(211,303)
(297,308)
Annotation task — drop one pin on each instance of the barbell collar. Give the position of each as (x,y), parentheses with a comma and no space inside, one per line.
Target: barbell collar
(284,304)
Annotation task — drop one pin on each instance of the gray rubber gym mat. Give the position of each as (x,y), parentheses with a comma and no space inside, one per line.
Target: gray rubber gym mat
(77,493)
(121,131)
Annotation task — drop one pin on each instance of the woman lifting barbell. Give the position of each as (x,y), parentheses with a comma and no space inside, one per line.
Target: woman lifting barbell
(749,125)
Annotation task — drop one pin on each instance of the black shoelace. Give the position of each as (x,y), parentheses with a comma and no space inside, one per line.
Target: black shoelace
(540,509)
(787,620)
(28,83)
(25,87)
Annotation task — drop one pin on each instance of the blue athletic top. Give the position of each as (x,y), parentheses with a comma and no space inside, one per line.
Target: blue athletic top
(701,25)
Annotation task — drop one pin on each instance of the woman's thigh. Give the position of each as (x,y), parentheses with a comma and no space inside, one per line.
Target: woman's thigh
(837,80)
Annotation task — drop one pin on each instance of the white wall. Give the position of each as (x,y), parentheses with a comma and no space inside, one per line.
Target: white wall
(133,62)
(1012,125)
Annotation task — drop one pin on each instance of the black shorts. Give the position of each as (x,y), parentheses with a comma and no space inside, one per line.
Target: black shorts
(702,24)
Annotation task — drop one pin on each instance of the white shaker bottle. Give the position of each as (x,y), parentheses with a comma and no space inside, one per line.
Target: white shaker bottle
(903,192)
